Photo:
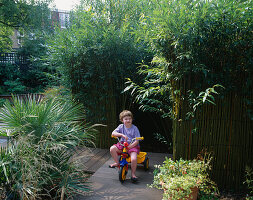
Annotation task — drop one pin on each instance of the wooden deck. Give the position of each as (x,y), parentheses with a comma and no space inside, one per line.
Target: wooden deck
(92,158)
(105,184)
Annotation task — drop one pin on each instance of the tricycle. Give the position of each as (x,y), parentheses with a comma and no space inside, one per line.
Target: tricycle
(124,159)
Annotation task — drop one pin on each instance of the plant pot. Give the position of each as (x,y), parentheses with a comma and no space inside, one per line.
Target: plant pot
(192,196)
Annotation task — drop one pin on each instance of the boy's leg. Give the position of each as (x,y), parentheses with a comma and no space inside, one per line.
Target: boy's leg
(114,153)
(133,163)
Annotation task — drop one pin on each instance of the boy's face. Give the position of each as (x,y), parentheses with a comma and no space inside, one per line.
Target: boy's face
(127,120)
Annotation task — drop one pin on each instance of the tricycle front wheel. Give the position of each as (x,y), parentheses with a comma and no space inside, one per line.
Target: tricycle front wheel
(122,173)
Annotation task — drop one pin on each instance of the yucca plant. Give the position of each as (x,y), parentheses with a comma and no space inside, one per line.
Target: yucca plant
(45,134)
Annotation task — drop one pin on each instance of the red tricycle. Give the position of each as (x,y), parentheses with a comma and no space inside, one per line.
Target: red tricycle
(125,159)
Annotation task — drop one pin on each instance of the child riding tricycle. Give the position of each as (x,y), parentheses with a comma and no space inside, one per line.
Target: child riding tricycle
(125,159)
(128,147)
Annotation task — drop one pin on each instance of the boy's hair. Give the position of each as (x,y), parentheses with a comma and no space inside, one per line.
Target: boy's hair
(125,113)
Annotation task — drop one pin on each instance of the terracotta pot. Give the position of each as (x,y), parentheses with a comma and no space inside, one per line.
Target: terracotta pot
(192,196)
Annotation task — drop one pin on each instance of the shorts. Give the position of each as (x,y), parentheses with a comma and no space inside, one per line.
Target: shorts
(134,149)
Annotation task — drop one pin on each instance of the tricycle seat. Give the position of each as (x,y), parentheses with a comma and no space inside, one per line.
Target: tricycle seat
(140,158)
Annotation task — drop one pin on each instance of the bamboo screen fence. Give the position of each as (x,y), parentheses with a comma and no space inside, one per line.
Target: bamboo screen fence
(223,129)
(111,106)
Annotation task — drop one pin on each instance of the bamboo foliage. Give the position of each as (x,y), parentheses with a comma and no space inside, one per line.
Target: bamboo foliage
(94,56)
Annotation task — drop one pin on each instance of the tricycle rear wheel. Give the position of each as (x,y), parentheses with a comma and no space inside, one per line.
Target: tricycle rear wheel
(146,164)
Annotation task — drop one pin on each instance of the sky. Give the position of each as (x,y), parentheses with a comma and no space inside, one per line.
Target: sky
(66,4)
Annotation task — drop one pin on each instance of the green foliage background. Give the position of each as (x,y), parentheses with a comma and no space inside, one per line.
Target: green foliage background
(31,19)
(95,54)
(21,14)
(201,42)
(30,75)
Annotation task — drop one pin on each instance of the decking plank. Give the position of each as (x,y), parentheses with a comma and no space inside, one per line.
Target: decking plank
(97,160)
(92,158)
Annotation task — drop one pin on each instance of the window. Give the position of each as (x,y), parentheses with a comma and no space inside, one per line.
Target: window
(64,19)
(20,35)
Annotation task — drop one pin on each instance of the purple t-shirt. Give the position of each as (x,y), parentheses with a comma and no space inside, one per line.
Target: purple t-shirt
(131,133)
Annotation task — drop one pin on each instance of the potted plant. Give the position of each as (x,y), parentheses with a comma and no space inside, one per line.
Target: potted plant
(183,179)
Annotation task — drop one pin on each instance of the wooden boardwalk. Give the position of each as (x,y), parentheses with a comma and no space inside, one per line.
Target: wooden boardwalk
(92,158)
(105,184)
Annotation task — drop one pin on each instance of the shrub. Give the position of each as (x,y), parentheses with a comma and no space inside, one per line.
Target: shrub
(178,178)
(44,135)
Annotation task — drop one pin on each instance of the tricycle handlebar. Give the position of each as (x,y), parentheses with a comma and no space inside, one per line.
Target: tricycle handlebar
(137,138)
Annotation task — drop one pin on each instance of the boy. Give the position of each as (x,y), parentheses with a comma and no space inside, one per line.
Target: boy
(127,131)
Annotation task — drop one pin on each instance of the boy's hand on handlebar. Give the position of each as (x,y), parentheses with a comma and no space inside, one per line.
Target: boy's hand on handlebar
(124,136)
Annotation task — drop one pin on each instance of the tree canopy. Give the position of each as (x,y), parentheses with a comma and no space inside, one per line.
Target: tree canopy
(16,14)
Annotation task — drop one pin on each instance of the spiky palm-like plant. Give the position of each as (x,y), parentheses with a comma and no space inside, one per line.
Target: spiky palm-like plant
(45,133)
